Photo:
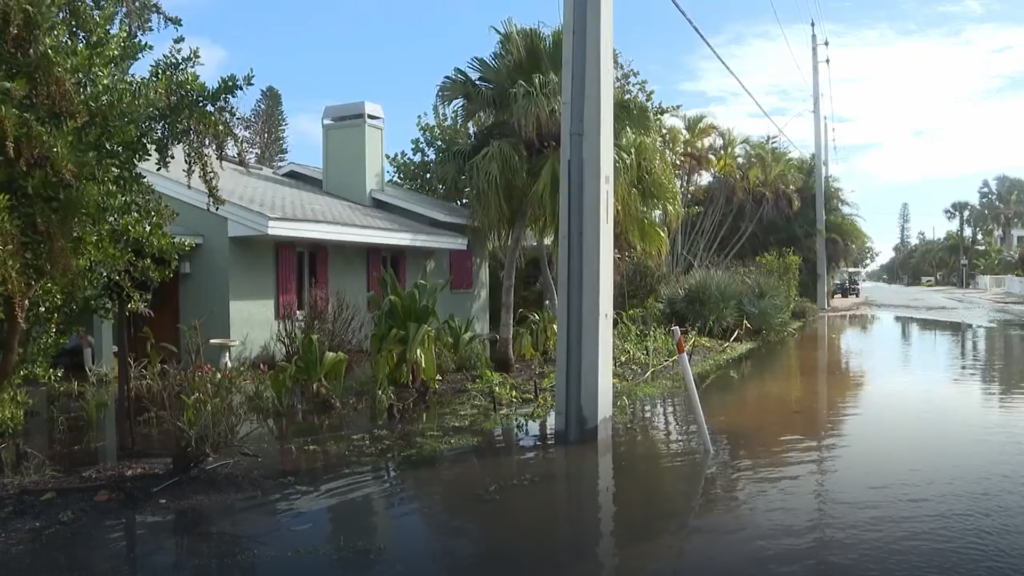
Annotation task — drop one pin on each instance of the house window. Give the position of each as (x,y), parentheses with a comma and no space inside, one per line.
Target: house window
(460,264)
(305,277)
(390,261)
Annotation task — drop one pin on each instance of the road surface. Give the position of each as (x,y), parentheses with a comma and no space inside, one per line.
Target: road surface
(976,307)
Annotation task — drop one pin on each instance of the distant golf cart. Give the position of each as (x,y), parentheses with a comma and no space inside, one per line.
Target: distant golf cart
(846,288)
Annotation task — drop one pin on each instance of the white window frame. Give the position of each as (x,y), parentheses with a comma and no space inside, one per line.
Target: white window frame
(303,255)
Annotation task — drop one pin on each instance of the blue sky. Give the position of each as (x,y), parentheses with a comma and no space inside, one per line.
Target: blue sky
(928,95)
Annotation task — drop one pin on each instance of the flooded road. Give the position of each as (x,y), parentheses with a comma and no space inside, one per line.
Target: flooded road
(870,444)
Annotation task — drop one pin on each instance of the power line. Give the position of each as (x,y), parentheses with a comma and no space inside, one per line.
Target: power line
(786,38)
(800,14)
(742,85)
(821,18)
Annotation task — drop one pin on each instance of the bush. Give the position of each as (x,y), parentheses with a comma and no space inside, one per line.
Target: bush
(404,340)
(804,309)
(460,348)
(641,338)
(339,323)
(784,267)
(767,303)
(638,281)
(706,301)
(719,302)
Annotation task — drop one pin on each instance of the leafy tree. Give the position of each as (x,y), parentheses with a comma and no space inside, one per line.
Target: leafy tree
(1003,203)
(266,129)
(417,168)
(510,168)
(958,212)
(78,222)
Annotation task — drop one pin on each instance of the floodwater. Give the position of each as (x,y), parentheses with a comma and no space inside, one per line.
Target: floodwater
(869,444)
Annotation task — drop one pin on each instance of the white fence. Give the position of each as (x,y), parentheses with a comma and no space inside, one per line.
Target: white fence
(1011,284)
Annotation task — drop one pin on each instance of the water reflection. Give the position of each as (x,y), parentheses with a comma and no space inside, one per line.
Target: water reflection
(867,445)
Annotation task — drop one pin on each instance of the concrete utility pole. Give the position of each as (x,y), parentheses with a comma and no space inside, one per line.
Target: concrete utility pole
(827,170)
(583,407)
(819,180)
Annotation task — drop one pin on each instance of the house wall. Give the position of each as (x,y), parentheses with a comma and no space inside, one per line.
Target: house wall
(204,292)
(253,286)
(253,294)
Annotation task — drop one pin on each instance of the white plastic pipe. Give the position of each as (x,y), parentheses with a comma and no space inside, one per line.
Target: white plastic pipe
(691,389)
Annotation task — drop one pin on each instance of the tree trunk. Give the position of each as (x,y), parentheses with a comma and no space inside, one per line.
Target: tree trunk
(505,359)
(14,314)
(1007,237)
(125,438)
(550,291)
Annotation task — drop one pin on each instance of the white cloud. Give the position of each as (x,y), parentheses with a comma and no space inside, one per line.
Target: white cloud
(912,104)
(213,57)
(920,112)
(967,7)
(305,127)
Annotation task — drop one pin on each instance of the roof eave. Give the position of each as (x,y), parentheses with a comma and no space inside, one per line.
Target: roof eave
(419,209)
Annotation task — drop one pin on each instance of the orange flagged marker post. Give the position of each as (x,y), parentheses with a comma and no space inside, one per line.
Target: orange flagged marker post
(691,388)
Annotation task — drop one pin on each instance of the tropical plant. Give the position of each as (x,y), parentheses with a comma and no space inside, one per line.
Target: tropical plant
(338,322)
(464,346)
(404,338)
(1003,202)
(321,372)
(510,166)
(536,333)
(959,212)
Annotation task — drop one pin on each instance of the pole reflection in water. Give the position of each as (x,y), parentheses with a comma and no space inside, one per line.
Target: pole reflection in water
(589,487)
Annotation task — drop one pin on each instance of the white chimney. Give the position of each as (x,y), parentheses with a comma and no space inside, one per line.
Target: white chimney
(353,150)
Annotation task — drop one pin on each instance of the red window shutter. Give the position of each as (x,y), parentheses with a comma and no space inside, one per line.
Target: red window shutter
(322,270)
(460,263)
(286,272)
(373,270)
(400,261)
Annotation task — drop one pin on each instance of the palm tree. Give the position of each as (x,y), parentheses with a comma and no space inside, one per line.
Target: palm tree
(512,100)
(511,169)
(1003,203)
(959,211)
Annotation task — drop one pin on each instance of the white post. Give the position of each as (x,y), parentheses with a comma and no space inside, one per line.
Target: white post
(825,165)
(819,180)
(691,389)
(583,407)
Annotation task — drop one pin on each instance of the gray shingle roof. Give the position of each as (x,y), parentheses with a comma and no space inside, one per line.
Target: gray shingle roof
(448,212)
(284,198)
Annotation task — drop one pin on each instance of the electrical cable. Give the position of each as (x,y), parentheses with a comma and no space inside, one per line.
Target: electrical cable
(831,103)
(786,38)
(742,85)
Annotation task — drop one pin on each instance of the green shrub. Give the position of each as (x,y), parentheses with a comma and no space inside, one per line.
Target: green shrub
(638,282)
(403,341)
(804,309)
(706,301)
(928,284)
(339,323)
(766,303)
(641,338)
(784,267)
(535,334)
(460,348)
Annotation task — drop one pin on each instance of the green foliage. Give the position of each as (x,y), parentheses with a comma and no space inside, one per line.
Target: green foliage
(460,347)
(13,404)
(82,226)
(536,334)
(784,266)
(804,309)
(640,280)
(314,372)
(404,338)
(641,338)
(720,302)
(266,129)
(707,302)
(928,283)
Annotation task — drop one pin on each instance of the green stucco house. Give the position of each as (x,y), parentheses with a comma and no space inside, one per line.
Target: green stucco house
(283,232)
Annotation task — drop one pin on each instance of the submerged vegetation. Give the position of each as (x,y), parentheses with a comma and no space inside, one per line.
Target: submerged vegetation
(714,233)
